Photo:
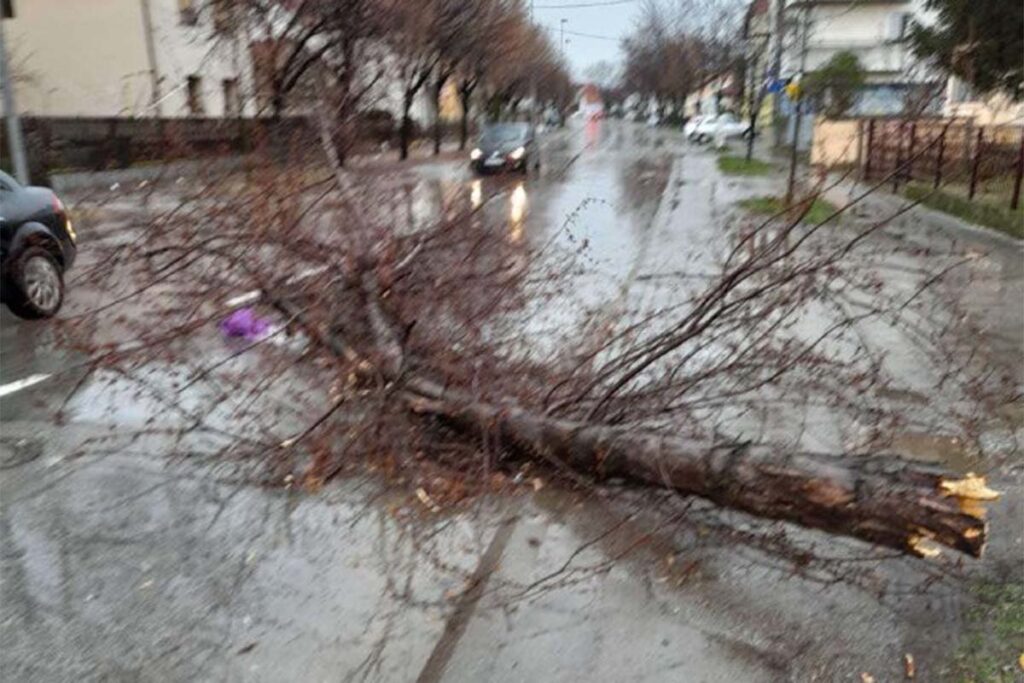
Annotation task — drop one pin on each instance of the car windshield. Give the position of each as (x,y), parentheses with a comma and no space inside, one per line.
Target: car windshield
(727,118)
(503,133)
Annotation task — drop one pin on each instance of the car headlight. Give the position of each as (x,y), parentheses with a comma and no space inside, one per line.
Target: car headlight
(475,154)
(517,153)
(70,229)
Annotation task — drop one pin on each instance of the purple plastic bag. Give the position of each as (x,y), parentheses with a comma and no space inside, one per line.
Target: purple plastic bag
(244,323)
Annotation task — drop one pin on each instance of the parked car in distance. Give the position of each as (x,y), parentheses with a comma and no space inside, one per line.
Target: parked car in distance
(690,126)
(723,126)
(37,245)
(504,147)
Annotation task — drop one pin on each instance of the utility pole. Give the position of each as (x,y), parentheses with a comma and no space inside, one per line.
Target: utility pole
(756,94)
(533,83)
(154,71)
(799,104)
(561,35)
(15,143)
(779,33)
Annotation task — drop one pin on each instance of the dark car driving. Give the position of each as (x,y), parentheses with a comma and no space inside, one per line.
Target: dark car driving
(37,244)
(504,147)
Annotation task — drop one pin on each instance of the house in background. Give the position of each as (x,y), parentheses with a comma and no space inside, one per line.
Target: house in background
(127,58)
(875,31)
(717,94)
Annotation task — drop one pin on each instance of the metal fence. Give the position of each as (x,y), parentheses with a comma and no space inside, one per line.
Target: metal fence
(945,152)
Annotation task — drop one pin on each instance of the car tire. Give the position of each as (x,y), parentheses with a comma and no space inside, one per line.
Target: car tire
(36,284)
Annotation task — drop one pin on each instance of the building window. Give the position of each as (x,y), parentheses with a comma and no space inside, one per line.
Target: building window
(960,91)
(898,26)
(188,13)
(194,92)
(232,97)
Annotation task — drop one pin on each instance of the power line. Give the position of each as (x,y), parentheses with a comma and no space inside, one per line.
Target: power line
(583,35)
(591,35)
(580,5)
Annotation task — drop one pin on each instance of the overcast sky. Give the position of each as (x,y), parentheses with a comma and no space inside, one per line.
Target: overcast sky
(612,21)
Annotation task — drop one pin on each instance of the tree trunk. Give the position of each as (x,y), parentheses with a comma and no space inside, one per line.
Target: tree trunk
(405,131)
(881,500)
(436,94)
(465,95)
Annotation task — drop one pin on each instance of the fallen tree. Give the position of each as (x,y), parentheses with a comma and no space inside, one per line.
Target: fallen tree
(882,499)
(434,320)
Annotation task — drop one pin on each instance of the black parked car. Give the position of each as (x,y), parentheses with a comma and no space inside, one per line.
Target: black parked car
(504,147)
(37,244)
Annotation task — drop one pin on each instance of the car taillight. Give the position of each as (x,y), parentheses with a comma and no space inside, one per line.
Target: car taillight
(58,205)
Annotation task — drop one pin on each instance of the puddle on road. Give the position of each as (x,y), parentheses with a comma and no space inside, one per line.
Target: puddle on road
(951,451)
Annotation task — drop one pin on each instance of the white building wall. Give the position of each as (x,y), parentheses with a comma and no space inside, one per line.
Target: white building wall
(79,58)
(871,30)
(89,58)
(184,51)
(875,32)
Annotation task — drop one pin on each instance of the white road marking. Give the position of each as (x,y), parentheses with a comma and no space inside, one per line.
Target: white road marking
(23,384)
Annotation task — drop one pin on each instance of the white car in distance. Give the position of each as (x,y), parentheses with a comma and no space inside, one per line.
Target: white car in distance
(691,125)
(723,126)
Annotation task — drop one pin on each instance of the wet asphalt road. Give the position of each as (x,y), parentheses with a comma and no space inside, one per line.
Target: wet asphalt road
(120,563)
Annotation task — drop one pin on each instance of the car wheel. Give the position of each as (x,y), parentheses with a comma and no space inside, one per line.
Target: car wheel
(703,138)
(37,281)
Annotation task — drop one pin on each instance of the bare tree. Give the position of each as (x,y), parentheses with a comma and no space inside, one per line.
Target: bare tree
(458,29)
(494,37)
(414,53)
(676,46)
(310,51)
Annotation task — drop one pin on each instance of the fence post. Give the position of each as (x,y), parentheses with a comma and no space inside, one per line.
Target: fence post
(977,162)
(896,171)
(869,150)
(1015,201)
(910,152)
(938,157)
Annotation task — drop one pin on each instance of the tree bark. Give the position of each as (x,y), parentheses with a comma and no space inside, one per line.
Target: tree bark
(882,500)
